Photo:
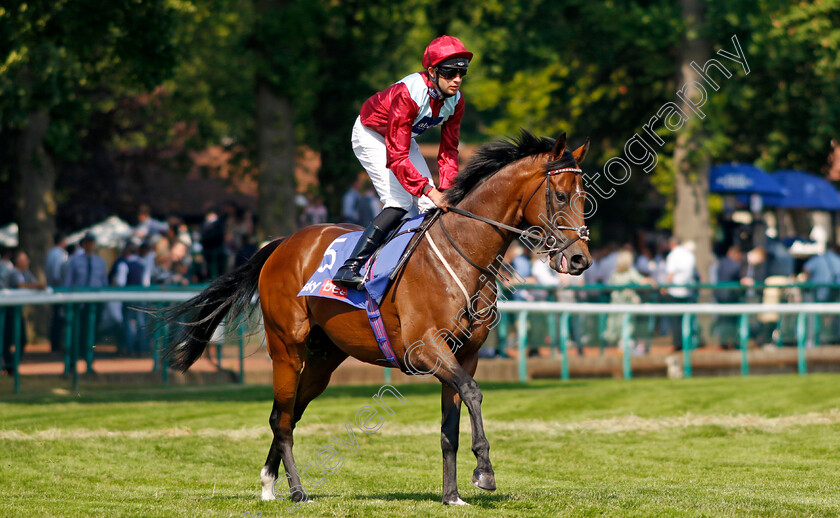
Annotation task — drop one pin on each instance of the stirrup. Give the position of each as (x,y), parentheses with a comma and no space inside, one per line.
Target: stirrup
(348,276)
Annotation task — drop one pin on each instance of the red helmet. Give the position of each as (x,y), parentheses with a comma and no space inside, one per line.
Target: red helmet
(444,48)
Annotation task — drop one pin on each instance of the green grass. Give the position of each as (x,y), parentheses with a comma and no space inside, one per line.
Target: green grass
(760,446)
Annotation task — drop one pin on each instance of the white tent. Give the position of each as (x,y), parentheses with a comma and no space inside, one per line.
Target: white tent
(110,233)
(9,235)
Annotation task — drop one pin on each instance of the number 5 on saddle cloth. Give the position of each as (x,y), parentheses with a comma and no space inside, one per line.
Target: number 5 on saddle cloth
(381,264)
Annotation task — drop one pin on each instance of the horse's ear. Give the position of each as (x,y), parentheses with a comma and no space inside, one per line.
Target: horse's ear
(580,153)
(559,145)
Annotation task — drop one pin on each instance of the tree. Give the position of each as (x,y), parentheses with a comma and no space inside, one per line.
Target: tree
(691,161)
(57,59)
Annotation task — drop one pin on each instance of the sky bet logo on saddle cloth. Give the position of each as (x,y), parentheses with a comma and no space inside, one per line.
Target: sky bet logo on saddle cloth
(384,262)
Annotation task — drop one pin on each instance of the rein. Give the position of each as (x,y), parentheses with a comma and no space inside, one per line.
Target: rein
(553,247)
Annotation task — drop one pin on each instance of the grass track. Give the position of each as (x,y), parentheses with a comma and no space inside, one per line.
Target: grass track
(758,446)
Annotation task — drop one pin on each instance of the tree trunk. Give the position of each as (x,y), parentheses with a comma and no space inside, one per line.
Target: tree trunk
(691,163)
(276,209)
(36,206)
(36,196)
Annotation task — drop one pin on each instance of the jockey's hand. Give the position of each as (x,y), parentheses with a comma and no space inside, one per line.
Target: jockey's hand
(439,199)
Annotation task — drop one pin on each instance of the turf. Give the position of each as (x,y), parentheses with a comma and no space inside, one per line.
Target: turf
(757,446)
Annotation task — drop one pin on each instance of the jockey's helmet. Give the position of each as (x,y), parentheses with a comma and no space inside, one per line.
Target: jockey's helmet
(446,48)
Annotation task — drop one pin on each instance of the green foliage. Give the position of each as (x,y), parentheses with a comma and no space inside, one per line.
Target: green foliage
(170,76)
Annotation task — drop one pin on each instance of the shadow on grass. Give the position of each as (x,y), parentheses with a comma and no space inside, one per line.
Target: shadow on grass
(482,500)
(237,393)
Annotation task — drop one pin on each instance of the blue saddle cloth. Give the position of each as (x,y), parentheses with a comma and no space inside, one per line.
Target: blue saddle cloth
(384,262)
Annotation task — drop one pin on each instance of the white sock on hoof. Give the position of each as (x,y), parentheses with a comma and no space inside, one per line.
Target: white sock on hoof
(267,482)
(457,502)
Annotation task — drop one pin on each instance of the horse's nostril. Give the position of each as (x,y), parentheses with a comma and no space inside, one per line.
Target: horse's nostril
(578,262)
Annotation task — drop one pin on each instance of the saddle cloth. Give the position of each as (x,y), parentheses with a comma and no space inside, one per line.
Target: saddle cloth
(382,263)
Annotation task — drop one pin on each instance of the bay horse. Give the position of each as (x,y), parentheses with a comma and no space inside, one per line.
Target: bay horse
(492,200)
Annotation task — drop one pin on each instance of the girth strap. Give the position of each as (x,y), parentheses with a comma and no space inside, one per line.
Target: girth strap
(379,331)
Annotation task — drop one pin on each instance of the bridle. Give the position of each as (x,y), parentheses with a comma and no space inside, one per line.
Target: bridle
(553,241)
(553,247)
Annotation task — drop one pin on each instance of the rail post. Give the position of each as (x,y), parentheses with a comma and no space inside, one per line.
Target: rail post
(241,331)
(686,344)
(17,335)
(522,335)
(164,373)
(744,336)
(2,328)
(69,315)
(564,346)
(625,345)
(801,338)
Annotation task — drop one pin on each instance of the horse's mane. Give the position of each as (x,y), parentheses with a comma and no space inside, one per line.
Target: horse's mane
(493,156)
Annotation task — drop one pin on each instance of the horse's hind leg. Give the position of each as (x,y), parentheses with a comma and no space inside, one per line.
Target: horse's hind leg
(449,431)
(286,366)
(322,358)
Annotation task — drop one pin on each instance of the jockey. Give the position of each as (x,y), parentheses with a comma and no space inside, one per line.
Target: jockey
(384,142)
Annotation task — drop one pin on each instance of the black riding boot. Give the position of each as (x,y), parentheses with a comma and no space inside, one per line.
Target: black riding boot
(348,275)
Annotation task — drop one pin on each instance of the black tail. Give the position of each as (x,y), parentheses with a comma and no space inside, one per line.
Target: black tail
(198,317)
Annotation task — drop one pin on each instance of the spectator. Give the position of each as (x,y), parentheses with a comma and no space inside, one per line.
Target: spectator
(19,278)
(780,265)
(147,226)
(730,268)
(56,264)
(148,257)
(369,205)
(519,259)
(822,269)
(180,275)
(213,243)
(543,275)
(645,264)
(565,294)
(132,272)
(6,265)
(680,267)
(86,269)
(624,275)
(350,203)
(316,213)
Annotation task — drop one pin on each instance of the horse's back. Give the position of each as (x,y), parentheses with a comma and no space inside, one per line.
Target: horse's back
(296,259)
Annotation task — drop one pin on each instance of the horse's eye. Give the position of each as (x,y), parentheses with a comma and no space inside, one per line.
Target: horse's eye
(561,197)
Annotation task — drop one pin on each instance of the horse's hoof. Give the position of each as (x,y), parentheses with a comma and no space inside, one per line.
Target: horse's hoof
(456,501)
(485,481)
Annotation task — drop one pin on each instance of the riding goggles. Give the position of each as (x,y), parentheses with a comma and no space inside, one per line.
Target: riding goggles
(451,72)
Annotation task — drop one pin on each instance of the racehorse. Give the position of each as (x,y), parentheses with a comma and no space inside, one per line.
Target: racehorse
(492,200)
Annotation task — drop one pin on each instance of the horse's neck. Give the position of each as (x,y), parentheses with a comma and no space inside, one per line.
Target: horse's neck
(497,198)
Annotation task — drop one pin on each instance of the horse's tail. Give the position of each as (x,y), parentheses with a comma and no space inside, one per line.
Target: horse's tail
(198,317)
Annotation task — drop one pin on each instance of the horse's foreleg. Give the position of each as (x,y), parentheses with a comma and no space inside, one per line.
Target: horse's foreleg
(452,374)
(483,475)
(449,431)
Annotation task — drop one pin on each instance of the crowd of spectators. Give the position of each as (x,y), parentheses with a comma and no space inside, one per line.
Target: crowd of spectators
(668,274)
(156,252)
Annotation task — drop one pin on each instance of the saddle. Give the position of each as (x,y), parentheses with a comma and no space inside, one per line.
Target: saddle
(380,270)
